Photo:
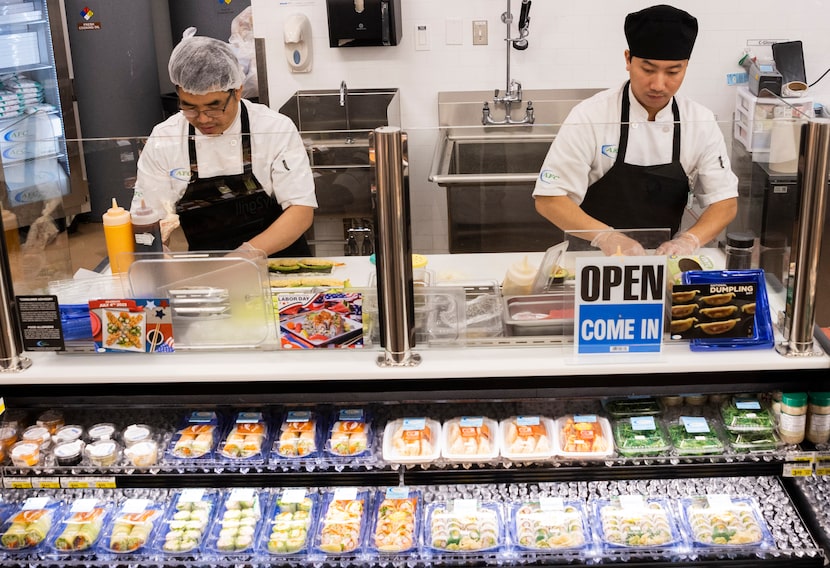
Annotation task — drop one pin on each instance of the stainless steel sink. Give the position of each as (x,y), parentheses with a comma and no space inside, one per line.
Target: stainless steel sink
(319,115)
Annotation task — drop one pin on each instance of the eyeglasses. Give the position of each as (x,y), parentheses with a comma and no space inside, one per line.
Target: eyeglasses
(211,112)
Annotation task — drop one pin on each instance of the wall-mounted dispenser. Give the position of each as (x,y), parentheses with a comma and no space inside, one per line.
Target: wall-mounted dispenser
(297,39)
(355,23)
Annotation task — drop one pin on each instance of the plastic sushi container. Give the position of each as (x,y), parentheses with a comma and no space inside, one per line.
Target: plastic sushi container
(694,436)
(350,436)
(549,524)
(81,526)
(753,442)
(195,439)
(299,438)
(235,527)
(30,526)
(412,440)
(634,522)
(464,526)
(342,522)
(187,521)
(396,521)
(245,441)
(527,438)
(289,521)
(632,406)
(746,414)
(583,437)
(470,439)
(723,521)
(132,528)
(641,436)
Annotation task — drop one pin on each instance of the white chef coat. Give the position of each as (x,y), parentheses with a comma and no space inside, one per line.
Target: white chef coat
(279,159)
(586,146)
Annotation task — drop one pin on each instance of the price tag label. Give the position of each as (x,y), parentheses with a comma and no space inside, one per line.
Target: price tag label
(719,501)
(191,495)
(414,423)
(33,503)
(551,504)
(298,416)
(345,494)
(823,464)
(527,420)
(75,483)
(17,483)
(466,507)
(797,469)
(471,421)
(46,483)
(400,492)
(747,404)
(633,502)
(241,494)
(201,417)
(83,505)
(248,417)
(351,415)
(135,506)
(800,457)
(695,424)
(643,423)
(293,496)
(585,418)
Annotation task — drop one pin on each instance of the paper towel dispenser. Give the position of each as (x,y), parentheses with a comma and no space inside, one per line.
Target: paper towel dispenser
(356,23)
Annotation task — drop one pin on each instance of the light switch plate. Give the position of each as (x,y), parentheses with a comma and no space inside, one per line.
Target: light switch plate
(421,37)
(480,32)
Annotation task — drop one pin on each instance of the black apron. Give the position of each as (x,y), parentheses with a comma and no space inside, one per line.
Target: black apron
(640,197)
(222,212)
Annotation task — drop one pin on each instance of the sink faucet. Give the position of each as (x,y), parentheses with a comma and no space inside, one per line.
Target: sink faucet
(344,102)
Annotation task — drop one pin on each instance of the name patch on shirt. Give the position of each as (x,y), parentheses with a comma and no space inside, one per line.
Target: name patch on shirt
(547,176)
(610,150)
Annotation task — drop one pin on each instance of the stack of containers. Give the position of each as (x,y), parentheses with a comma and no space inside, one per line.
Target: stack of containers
(638,428)
(749,424)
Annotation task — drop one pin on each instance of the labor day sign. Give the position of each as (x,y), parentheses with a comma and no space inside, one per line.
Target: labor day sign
(619,304)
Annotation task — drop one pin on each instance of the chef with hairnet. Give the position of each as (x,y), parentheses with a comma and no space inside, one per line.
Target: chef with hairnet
(233,174)
(634,156)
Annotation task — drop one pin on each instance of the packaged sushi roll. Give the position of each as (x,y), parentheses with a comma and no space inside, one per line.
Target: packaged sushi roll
(81,526)
(549,523)
(641,436)
(132,526)
(527,438)
(28,527)
(412,441)
(724,521)
(632,521)
(342,521)
(245,438)
(350,434)
(470,439)
(196,437)
(746,414)
(289,522)
(694,436)
(464,525)
(235,528)
(583,436)
(186,521)
(396,521)
(298,436)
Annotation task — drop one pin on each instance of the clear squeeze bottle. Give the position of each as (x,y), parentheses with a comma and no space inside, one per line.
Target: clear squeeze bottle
(118,232)
(146,228)
(518,281)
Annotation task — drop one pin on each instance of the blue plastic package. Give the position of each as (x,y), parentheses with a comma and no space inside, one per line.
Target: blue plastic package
(341,526)
(30,526)
(396,521)
(763,336)
(549,525)
(185,524)
(236,526)
(290,519)
(195,440)
(80,528)
(133,527)
(246,440)
(723,521)
(634,522)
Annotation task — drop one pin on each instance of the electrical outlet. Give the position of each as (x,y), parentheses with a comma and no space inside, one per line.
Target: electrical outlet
(480,32)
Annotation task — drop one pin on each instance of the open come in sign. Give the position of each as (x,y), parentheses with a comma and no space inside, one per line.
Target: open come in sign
(619,304)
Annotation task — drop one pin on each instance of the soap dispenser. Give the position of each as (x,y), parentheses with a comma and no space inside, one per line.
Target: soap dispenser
(297,39)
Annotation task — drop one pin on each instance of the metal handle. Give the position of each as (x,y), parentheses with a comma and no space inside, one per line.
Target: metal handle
(11,348)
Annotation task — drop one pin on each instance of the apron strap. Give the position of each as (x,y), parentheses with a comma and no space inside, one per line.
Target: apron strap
(675,153)
(246,144)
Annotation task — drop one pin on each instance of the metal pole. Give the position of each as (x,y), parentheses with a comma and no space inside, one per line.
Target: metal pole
(11,348)
(800,314)
(394,251)
(508,19)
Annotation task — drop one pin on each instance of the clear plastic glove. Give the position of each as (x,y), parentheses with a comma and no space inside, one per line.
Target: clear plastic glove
(167,225)
(612,242)
(682,244)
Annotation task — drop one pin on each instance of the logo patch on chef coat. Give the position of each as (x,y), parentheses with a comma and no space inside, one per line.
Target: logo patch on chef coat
(180,174)
(547,176)
(610,150)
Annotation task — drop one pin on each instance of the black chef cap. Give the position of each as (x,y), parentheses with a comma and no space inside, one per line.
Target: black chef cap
(661,32)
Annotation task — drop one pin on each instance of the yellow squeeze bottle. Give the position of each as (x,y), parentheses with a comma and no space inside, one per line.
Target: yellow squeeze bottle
(118,232)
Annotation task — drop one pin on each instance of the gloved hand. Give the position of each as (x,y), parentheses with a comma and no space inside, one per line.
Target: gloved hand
(681,245)
(612,242)
(168,224)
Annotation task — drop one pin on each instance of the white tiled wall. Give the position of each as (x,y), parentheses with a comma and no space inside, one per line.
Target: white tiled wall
(572,44)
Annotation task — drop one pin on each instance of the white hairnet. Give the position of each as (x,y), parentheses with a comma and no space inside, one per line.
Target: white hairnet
(201,65)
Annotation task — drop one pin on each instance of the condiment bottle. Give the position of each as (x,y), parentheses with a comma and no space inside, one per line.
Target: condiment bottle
(739,248)
(519,279)
(793,419)
(818,418)
(118,232)
(146,228)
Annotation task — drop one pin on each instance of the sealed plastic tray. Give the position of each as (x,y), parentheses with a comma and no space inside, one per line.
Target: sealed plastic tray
(412,441)
(288,524)
(464,525)
(633,406)
(640,436)
(80,528)
(470,439)
(350,434)
(746,414)
(724,521)
(196,438)
(631,521)
(549,524)
(527,438)
(542,314)
(583,436)
(246,439)
(298,437)
(187,520)
(396,521)
(133,527)
(753,442)
(483,308)
(235,527)
(29,527)
(342,522)
(694,436)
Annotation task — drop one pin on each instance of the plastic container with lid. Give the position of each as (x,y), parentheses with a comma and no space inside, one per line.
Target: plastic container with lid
(818,417)
(414,440)
(142,454)
(518,281)
(102,453)
(739,249)
(470,439)
(68,433)
(118,233)
(101,431)
(136,433)
(69,453)
(640,436)
(289,523)
(527,438)
(396,521)
(25,454)
(52,420)
(793,419)
(38,434)
(8,436)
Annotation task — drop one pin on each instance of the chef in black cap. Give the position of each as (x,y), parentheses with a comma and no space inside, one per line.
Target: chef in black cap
(632,157)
